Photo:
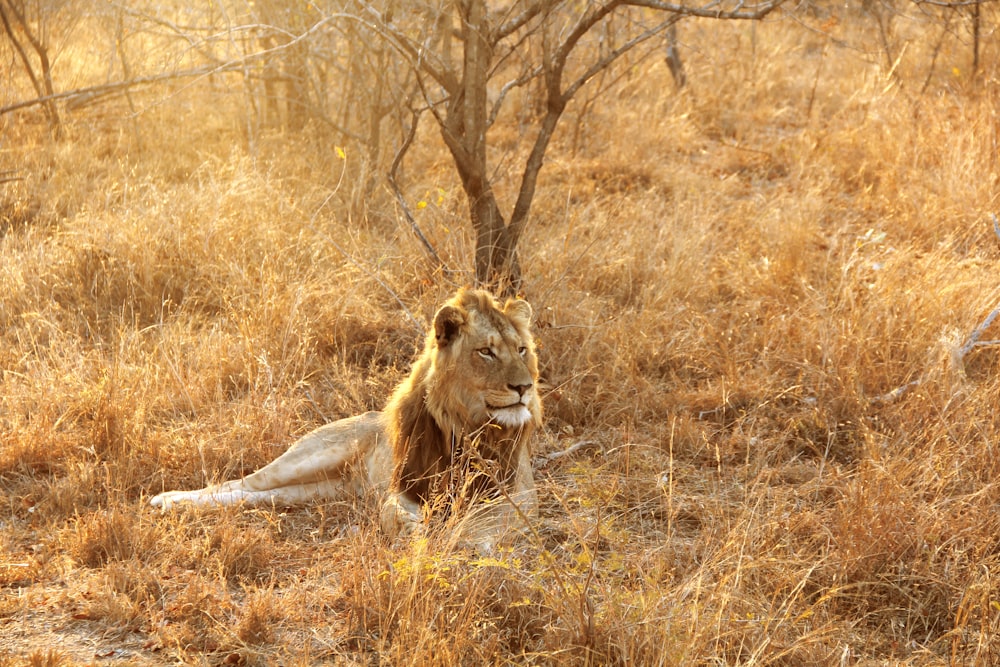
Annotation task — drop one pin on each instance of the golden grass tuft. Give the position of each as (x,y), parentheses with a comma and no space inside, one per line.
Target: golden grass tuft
(730,283)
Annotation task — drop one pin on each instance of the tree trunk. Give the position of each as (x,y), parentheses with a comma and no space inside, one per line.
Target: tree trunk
(464,133)
(497,266)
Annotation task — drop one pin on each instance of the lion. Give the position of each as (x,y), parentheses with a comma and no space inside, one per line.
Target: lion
(457,429)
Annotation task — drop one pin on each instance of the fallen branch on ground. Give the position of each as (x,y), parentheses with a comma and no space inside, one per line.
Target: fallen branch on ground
(971,343)
(542,461)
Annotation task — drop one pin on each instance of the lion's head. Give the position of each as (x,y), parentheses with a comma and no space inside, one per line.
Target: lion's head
(483,363)
(477,377)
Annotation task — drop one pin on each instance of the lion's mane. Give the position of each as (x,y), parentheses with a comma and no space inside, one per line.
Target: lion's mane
(438,415)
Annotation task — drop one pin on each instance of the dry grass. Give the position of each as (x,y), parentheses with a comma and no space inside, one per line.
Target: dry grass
(725,278)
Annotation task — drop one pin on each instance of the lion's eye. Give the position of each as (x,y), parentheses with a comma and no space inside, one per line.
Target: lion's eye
(486,353)
(522,350)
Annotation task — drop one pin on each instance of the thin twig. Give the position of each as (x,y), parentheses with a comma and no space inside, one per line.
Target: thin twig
(89,92)
(951,5)
(973,339)
(10,175)
(233,65)
(971,343)
(893,395)
(542,461)
(391,177)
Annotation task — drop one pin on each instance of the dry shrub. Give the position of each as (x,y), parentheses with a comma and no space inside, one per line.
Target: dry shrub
(121,599)
(243,554)
(260,613)
(48,657)
(195,616)
(220,544)
(444,607)
(101,538)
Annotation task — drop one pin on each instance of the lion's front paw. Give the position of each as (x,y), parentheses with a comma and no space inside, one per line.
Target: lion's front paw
(410,529)
(401,517)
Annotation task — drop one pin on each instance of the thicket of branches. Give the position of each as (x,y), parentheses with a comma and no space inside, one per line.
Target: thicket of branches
(363,75)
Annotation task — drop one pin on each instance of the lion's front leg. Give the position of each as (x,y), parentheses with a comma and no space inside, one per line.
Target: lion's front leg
(523,492)
(401,516)
(504,518)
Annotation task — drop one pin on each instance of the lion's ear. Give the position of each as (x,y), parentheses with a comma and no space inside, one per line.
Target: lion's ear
(518,309)
(447,324)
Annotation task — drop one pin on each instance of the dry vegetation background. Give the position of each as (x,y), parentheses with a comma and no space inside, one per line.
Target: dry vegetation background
(727,278)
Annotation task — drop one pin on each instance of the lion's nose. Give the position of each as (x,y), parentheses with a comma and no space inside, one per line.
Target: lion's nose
(521,389)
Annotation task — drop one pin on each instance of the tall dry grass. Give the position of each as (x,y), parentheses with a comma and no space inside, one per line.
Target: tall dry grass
(727,280)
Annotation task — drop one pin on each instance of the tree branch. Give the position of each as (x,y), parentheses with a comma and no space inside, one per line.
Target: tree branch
(582,27)
(419,58)
(40,50)
(233,65)
(614,55)
(971,343)
(973,340)
(510,27)
(752,13)
(507,87)
(533,166)
(947,5)
(20,51)
(396,161)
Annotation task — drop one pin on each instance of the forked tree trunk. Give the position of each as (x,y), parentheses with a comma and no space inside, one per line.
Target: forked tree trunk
(497,266)
(464,132)
(43,88)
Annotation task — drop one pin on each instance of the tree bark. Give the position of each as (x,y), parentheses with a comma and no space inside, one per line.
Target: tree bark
(464,132)
(48,93)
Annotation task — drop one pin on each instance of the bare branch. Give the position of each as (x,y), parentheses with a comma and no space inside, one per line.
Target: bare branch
(971,343)
(947,5)
(522,19)
(529,178)
(558,99)
(43,57)
(582,27)
(509,86)
(396,161)
(614,55)
(542,461)
(713,10)
(20,50)
(896,393)
(973,340)
(10,175)
(420,59)
(89,92)
(182,31)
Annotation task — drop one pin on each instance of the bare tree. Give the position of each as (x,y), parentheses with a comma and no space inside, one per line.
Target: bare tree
(17,26)
(506,46)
